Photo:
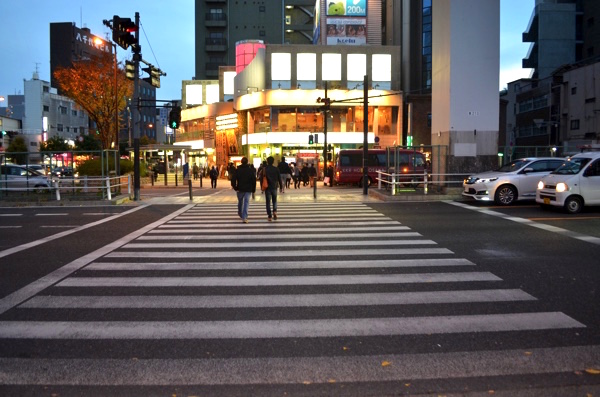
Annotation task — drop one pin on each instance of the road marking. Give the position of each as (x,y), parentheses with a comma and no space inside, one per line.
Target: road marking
(57,226)
(11,214)
(298,370)
(262,301)
(302,220)
(274,230)
(286,225)
(265,244)
(304,328)
(10,301)
(53,214)
(277,254)
(350,264)
(10,227)
(146,282)
(44,240)
(528,222)
(291,234)
(570,218)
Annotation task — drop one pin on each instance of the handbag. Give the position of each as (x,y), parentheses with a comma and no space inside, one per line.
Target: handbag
(264,183)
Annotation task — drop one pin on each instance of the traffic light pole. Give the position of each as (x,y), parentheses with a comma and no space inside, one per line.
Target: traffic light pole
(325,114)
(136,112)
(366,137)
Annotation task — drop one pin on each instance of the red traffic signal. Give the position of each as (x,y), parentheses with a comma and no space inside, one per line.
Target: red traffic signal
(124,30)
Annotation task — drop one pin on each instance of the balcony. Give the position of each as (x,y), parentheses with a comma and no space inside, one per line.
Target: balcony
(216,20)
(215,44)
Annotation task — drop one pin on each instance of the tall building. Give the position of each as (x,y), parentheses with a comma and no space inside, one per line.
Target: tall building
(561,33)
(69,44)
(221,24)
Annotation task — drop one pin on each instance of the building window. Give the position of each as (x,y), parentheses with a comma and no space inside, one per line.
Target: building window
(62,109)
(46,108)
(75,130)
(574,124)
(73,112)
(590,100)
(46,89)
(573,90)
(59,127)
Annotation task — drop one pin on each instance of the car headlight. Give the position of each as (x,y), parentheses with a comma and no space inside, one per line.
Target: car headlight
(561,187)
(487,180)
(540,185)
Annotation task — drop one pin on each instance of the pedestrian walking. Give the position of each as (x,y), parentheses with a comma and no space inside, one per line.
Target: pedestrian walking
(243,182)
(213,177)
(297,177)
(274,180)
(195,171)
(259,174)
(304,174)
(284,170)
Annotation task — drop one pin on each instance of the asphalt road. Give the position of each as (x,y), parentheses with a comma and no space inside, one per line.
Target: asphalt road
(335,297)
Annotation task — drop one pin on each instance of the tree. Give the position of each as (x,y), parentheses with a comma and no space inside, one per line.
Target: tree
(54,144)
(17,150)
(91,84)
(87,143)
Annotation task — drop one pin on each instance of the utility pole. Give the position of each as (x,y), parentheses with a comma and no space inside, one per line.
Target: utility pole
(325,115)
(136,110)
(366,136)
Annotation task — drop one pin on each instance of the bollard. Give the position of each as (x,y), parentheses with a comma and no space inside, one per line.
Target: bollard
(109,193)
(425,183)
(190,188)
(57,190)
(200,181)
(315,187)
(175,178)
(129,185)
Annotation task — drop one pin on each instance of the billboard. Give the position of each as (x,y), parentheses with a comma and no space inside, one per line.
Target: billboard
(350,31)
(347,8)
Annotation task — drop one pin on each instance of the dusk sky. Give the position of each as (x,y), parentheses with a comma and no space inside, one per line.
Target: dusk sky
(167,37)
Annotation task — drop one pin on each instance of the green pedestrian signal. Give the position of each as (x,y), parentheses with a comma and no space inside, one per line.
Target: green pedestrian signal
(311,139)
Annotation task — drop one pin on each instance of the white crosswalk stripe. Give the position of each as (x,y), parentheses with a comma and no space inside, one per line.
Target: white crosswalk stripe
(319,272)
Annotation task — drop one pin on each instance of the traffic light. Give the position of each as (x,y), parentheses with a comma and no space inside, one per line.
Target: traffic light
(175,117)
(316,138)
(326,103)
(130,70)
(154,76)
(124,31)
(310,139)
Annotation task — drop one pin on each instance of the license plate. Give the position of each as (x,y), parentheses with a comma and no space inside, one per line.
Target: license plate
(546,200)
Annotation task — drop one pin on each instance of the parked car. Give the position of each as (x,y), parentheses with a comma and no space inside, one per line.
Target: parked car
(62,172)
(575,184)
(514,181)
(16,177)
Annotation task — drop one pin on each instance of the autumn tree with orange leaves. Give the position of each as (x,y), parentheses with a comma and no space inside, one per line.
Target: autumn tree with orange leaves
(91,84)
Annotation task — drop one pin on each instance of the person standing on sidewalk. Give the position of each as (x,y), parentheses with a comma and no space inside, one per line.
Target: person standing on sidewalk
(213,177)
(243,182)
(274,179)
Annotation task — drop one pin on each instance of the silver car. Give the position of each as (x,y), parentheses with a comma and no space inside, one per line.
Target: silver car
(15,177)
(514,181)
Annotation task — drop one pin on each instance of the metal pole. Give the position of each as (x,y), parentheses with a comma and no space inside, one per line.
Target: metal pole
(136,112)
(325,114)
(366,136)
(117,166)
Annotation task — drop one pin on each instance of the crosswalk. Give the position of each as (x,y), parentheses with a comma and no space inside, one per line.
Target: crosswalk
(294,301)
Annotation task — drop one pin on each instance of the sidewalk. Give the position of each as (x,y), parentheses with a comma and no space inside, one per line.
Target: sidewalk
(225,194)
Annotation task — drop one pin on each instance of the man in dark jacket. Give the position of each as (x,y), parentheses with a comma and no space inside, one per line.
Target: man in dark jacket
(274,178)
(243,182)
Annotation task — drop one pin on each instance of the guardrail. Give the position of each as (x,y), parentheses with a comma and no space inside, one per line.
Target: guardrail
(103,188)
(427,180)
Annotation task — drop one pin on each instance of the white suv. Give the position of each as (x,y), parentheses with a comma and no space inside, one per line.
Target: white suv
(573,185)
(514,181)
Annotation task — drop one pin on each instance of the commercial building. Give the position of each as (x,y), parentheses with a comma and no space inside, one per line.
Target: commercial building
(279,102)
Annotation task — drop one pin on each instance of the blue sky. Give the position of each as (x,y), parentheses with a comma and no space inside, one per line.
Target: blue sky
(167,37)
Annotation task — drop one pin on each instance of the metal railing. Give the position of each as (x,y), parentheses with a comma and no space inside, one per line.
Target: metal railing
(425,180)
(84,187)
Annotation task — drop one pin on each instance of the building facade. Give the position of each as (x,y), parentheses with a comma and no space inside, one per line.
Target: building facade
(278,104)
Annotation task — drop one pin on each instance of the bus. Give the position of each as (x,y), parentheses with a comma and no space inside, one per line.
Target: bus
(348,167)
